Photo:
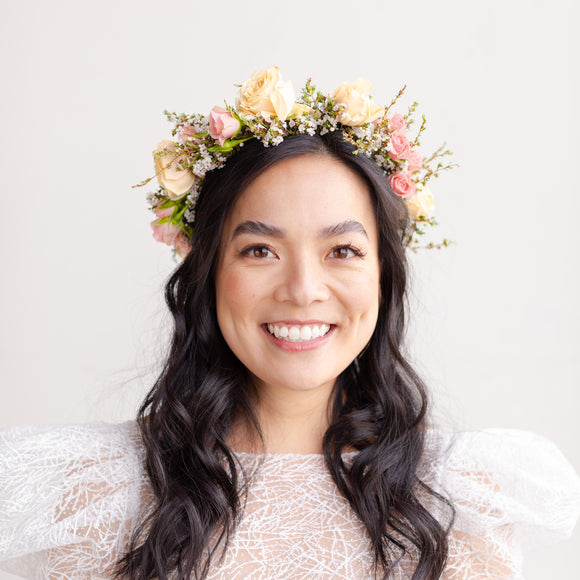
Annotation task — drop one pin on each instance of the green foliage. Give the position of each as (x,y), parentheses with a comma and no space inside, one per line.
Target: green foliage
(314,113)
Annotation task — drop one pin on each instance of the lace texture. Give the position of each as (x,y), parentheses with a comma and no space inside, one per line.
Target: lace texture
(69,497)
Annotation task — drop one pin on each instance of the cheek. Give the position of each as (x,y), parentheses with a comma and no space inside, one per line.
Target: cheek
(369,309)
(363,299)
(363,288)
(235,295)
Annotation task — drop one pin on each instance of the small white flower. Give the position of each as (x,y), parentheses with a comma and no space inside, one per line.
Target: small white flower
(189,214)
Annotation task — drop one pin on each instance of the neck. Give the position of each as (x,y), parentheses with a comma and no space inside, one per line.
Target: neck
(291,421)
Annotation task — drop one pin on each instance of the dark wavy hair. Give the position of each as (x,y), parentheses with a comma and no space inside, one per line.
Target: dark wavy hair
(378,405)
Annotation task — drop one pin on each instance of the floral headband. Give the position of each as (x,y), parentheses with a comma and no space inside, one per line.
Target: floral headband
(266,109)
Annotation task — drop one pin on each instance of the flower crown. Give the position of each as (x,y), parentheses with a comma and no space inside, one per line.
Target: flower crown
(266,109)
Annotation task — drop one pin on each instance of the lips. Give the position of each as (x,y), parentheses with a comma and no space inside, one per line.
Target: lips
(298,332)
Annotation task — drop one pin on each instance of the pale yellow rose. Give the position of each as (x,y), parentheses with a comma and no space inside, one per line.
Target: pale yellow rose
(422,203)
(299,109)
(265,94)
(175,181)
(359,108)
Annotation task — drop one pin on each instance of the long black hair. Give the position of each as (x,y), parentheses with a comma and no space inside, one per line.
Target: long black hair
(378,405)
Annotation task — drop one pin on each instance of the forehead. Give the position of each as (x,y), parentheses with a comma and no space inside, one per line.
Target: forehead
(307,191)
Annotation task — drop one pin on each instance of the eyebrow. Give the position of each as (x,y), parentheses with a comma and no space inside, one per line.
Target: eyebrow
(342,228)
(260,228)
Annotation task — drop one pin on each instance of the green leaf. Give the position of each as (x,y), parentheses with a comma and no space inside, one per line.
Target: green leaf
(228,145)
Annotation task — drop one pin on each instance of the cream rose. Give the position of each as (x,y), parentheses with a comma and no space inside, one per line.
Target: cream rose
(358,107)
(175,181)
(265,94)
(422,203)
(299,109)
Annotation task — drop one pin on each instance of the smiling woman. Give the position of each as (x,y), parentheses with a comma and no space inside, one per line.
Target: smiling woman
(287,244)
(297,293)
(287,436)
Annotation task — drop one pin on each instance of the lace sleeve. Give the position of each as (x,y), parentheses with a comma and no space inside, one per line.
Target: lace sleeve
(513,491)
(67,498)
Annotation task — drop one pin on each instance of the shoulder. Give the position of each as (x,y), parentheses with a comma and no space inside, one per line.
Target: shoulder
(520,475)
(74,432)
(512,490)
(74,438)
(43,455)
(68,495)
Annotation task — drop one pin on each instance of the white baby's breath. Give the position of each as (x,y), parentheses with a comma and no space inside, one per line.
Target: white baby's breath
(313,113)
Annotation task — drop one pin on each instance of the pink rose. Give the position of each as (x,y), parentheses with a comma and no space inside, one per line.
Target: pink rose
(169,233)
(181,245)
(162,212)
(400,148)
(166,232)
(397,123)
(415,161)
(402,185)
(222,124)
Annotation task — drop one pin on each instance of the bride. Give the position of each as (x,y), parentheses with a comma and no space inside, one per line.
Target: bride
(287,436)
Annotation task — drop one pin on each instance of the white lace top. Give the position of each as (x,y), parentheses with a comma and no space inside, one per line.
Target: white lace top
(70,495)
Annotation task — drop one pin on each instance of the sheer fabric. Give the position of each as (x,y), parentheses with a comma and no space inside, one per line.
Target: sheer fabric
(69,497)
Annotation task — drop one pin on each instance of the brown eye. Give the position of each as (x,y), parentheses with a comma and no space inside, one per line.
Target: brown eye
(344,252)
(257,252)
(260,252)
(341,252)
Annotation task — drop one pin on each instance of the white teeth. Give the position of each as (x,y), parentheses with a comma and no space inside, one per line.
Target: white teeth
(301,333)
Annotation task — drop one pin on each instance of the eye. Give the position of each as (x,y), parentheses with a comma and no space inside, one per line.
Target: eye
(345,252)
(258,252)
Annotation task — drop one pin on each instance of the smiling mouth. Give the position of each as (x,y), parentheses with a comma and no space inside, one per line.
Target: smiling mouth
(298,333)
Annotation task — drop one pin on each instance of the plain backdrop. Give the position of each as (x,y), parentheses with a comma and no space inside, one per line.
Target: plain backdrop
(494,318)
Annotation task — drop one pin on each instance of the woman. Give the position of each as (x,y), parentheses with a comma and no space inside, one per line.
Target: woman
(287,436)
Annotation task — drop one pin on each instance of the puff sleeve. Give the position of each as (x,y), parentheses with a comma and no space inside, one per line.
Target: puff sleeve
(512,491)
(68,496)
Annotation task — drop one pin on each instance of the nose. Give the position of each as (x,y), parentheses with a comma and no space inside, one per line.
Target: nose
(302,282)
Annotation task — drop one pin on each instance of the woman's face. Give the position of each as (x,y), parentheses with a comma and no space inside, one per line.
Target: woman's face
(297,284)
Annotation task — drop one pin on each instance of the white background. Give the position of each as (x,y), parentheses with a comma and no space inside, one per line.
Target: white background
(495,318)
